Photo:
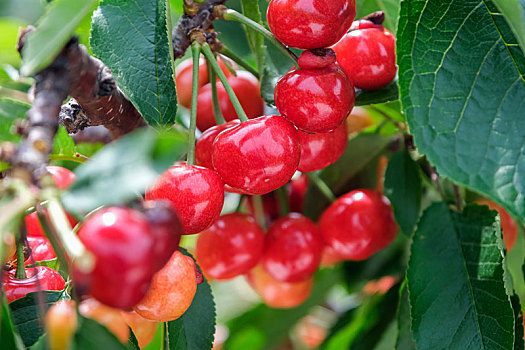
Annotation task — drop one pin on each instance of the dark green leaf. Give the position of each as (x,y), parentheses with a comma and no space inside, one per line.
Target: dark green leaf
(463,95)
(514,13)
(91,335)
(369,97)
(455,281)
(518,323)
(133,343)
(195,329)
(9,338)
(405,340)
(131,38)
(360,151)
(123,168)
(273,324)
(53,31)
(9,111)
(403,188)
(389,7)
(63,144)
(28,313)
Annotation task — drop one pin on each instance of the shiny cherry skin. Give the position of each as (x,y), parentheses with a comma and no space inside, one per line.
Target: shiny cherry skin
(247,90)
(122,243)
(320,150)
(38,279)
(109,317)
(232,246)
(296,190)
(277,294)
(310,24)
(143,329)
(41,250)
(508,225)
(166,229)
(368,56)
(171,292)
(204,146)
(315,100)
(257,156)
(358,224)
(293,248)
(34,227)
(63,177)
(184,77)
(196,193)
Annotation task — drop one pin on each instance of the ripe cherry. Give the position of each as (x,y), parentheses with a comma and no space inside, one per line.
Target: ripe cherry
(34,227)
(166,229)
(204,146)
(61,323)
(230,247)
(143,329)
(368,57)
(196,193)
(257,156)
(122,242)
(278,294)
(508,225)
(184,77)
(171,292)
(312,331)
(110,318)
(63,177)
(246,88)
(293,248)
(320,150)
(310,24)
(41,250)
(315,100)
(39,278)
(358,224)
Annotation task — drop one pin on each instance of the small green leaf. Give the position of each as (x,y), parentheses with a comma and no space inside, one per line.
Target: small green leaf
(131,38)
(9,337)
(123,169)
(63,144)
(405,340)
(53,31)
(250,8)
(10,110)
(389,7)
(28,312)
(91,335)
(455,281)
(389,93)
(403,187)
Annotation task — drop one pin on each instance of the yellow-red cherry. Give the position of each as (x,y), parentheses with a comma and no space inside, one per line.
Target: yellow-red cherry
(39,278)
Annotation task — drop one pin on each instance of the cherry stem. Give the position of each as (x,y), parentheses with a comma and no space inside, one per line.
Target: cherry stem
(397,124)
(20,259)
(76,158)
(232,15)
(238,59)
(196,53)
(284,205)
(259,211)
(322,186)
(219,119)
(457,196)
(55,243)
(14,94)
(231,94)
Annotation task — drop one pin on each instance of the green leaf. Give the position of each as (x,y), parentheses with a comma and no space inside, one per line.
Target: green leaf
(389,7)
(195,329)
(514,13)
(28,312)
(250,8)
(455,281)
(389,93)
(123,169)
(91,335)
(63,144)
(405,340)
(8,335)
(463,95)
(360,151)
(274,324)
(518,323)
(10,110)
(41,343)
(53,31)
(131,38)
(403,188)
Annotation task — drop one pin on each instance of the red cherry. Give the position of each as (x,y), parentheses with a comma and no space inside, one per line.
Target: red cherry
(315,100)
(508,225)
(318,58)
(34,228)
(296,192)
(310,24)
(204,146)
(39,278)
(196,193)
(358,224)
(166,229)
(246,88)
(184,77)
(368,57)
(320,150)
(63,177)
(257,156)
(330,257)
(293,248)
(230,247)
(122,242)
(41,250)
